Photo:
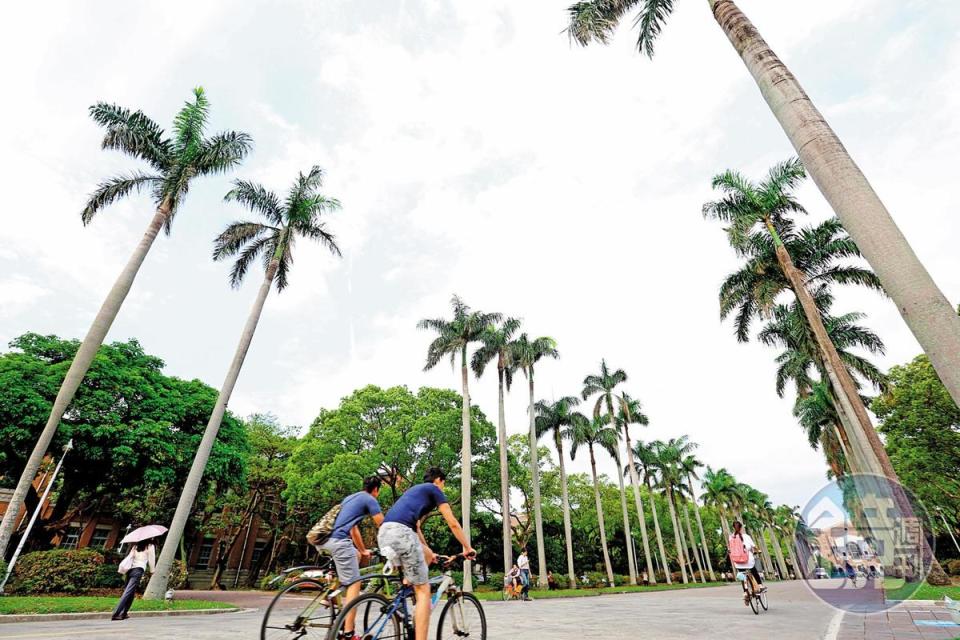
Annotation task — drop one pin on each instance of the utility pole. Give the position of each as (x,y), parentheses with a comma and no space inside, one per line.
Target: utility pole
(36,513)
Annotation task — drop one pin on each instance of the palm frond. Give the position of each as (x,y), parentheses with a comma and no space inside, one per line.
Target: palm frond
(222,152)
(596,20)
(650,23)
(236,235)
(113,188)
(132,132)
(318,231)
(256,198)
(264,245)
(189,123)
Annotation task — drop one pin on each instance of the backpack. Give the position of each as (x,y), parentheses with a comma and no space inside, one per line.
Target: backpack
(321,531)
(738,552)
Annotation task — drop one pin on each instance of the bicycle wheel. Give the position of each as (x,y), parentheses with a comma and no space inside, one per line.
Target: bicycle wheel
(462,617)
(754,605)
(375,619)
(763,600)
(301,610)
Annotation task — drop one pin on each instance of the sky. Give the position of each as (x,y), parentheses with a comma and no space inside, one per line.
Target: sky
(475,151)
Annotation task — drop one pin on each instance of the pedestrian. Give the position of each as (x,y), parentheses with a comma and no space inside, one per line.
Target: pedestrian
(524,563)
(143,554)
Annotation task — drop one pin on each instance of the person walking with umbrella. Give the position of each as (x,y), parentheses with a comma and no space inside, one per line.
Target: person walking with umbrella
(143,554)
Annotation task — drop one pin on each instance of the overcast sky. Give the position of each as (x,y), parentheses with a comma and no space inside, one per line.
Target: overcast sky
(475,151)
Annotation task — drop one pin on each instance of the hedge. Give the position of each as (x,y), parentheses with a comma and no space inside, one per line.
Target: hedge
(58,571)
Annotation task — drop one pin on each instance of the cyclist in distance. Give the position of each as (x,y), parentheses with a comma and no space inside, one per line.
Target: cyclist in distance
(401,539)
(738,538)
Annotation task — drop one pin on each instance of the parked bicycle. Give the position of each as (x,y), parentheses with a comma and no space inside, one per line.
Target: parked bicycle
(392,619)
(308,606)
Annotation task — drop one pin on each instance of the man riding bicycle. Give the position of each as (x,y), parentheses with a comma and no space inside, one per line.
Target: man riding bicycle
(346,545)
(741,549)
(401,539)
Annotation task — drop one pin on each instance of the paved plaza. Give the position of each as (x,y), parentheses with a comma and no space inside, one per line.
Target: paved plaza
(716,612)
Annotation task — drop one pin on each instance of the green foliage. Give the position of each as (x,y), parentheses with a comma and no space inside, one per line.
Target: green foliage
(921,426)
(56,571)
(952,567)
(134,429)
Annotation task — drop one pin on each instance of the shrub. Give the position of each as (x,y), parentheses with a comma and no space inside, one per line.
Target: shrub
(178,575)
(952,567)
(57,571)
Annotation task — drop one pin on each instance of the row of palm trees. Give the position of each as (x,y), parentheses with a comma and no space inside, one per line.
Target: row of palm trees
(174,161)
(668,466)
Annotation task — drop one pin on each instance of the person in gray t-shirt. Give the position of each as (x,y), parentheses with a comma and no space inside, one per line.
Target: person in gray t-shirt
(345,543)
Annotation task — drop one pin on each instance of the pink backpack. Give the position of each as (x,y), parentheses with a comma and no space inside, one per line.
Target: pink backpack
(738,553)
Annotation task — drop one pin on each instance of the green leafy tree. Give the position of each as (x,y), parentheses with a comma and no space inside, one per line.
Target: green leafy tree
(272,242)
(454,337)
(496,342)
(924,307)
(174,162)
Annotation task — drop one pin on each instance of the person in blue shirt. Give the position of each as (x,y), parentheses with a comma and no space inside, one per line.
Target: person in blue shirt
(401,538)
(345,543)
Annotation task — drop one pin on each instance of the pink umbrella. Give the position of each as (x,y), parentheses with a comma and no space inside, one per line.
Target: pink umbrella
(144,533)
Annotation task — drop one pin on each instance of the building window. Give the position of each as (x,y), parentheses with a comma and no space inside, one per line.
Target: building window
(72,536)
(100,535)
(206,550)
(258,548)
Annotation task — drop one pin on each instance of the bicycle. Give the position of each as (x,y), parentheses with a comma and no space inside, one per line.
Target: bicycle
(392,619)
(753,594)
(309,605)
(512,590)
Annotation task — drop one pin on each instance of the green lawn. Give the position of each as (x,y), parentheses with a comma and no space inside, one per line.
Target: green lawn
(582,593)
(84,604)
(897,589)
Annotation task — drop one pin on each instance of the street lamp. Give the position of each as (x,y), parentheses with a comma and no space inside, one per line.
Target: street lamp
(36,512)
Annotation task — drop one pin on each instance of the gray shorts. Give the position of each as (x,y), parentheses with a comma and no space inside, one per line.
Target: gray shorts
(404,547)
(345,558)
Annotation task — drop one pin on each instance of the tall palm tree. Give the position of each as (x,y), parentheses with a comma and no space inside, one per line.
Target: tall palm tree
(496,344)
(602,385)
(690,466)
(174,161)
(454,339)
(720,490)
(525,353)
(645,456)
(557,419)
(768,205)
(669,456)
(923,306)
(595,433)
(630,412)
(271,241)
(816,412)
(785,520)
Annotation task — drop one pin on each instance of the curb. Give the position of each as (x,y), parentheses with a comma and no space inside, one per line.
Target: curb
(106,615)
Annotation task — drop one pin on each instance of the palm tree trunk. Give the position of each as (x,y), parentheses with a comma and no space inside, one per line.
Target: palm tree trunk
(466,467)
(567,528)
(925,309)
(676,535)
(656,528)
(866,442)
(641,517)
(603,529)
(504,476)
(628,536)
(792,552)
(778,552)
(535,478)
(683,540)
(78,369)
(693,543)
(703,538)
(157,586)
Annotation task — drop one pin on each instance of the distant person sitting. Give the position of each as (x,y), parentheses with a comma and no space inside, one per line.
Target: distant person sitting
(552,582)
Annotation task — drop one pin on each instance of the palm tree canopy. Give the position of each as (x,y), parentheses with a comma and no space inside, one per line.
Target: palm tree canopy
(788,328)
(525,353)
(630,412)
(596,20)
(816,412)
(556,417)
(299,214)
(668,460)
(174,160)
(496,342)
(604,383)
(720,488)
(593,433)
(821,253)
(466,326)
